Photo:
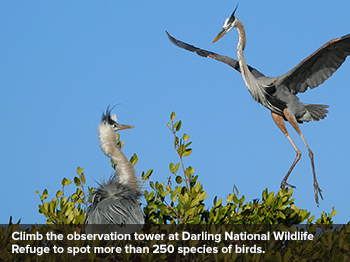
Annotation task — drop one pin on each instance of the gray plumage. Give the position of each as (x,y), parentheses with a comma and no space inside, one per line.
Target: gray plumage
(311,72)
(278,94)
(115,201)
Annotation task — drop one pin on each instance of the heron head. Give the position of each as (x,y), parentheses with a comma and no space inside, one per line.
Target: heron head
(111,119)
(230,23)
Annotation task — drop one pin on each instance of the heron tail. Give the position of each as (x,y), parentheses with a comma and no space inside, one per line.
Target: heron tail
(317,112)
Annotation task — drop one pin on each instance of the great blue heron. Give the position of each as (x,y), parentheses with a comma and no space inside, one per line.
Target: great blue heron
(115,202)
(278,94)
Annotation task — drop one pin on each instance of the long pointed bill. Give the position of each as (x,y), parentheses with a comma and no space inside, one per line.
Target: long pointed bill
(122,127)
(221,34)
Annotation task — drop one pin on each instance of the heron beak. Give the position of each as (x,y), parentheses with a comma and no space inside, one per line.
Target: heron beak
(122,127)
(221,34)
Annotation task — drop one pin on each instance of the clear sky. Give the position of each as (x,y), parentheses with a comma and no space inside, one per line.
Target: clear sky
(63,62)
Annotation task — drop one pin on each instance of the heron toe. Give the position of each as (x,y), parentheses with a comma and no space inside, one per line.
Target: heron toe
(284,184)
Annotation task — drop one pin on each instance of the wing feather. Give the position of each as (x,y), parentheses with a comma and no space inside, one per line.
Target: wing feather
(201,52)
(114,203)
(318,67)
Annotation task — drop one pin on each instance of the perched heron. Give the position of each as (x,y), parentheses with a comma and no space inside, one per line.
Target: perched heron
(115,202)
(278,94)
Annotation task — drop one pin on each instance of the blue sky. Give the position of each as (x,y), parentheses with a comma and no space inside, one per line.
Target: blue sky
(63,62)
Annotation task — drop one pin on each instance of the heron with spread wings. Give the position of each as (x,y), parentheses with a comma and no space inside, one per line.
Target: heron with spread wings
(278,94)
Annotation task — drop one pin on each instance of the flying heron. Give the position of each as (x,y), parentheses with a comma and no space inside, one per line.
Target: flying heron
(115,202)
(278,94)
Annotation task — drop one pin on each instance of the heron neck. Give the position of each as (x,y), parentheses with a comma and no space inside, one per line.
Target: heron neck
(123,168)
(241,33)
(240,47)
(252,84)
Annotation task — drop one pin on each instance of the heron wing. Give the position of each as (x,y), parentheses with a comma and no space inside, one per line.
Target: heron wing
(319,66)
(115,211)
(114,203)
(201,52)
(119,211)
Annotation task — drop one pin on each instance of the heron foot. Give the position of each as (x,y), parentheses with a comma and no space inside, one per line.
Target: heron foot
(317,191)
(284,184)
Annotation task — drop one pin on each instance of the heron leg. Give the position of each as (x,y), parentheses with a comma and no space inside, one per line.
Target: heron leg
(291,119)
(280,123)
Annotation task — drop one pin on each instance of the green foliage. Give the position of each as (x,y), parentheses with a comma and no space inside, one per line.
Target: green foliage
(182,203)
(66,210)
(180,200)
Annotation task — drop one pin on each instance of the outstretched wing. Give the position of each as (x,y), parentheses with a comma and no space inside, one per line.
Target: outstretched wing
(318,67)
(225,59)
